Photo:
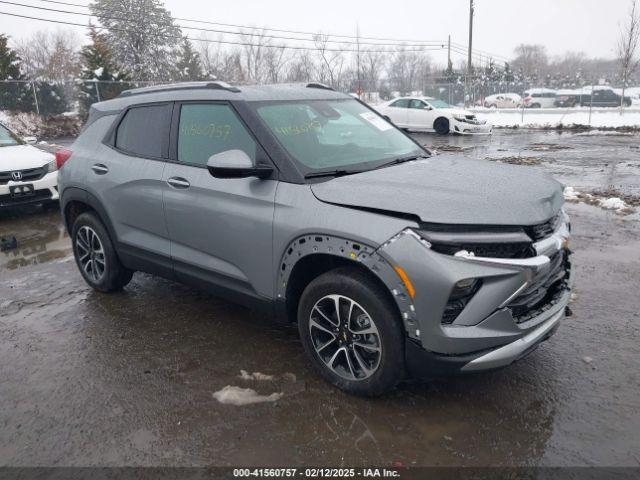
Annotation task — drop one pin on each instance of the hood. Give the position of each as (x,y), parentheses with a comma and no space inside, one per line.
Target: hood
(451,190)
(457,111)
(21,157)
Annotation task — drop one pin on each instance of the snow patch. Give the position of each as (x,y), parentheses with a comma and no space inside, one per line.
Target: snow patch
(244,375)
(613,203)
(547,118)
(238,396)
(607,203)
(571,194)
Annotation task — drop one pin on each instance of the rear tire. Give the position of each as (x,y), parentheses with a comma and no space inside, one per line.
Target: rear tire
(95,256)
(441,126)
(351,332)
(536,105)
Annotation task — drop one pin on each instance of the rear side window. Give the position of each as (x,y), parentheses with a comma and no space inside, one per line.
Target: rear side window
(143,130)
(208,129)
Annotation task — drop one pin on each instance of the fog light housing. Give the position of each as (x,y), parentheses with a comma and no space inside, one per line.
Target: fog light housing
(462,292)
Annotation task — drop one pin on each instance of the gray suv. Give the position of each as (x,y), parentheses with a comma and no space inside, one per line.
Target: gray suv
(305,203)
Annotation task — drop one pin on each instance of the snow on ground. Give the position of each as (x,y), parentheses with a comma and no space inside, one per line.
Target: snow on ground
(244,375)
(232,395)
(555,117)
(607,203)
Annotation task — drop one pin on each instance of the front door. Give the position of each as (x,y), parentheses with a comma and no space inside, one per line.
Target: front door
(420,115)
(220,229)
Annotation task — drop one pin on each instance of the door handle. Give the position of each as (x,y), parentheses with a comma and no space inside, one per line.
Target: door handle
(99,168)
(178,182)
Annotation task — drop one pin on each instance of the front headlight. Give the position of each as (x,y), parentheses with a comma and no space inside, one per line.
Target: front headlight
(460,118)
(52,166)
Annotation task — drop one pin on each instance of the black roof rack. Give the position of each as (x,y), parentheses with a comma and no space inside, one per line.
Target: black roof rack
(181,86)
(319,85)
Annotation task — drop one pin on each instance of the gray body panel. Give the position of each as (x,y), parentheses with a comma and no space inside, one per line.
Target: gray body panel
(244,234)
(451,190)
(131,193)
(221,226)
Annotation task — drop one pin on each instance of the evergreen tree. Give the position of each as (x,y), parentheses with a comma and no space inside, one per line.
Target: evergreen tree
(188,67)
(13,96)
(103,80)
(142,37)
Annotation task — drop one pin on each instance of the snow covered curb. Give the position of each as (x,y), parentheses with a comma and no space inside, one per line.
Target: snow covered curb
(576,119)
(599,199)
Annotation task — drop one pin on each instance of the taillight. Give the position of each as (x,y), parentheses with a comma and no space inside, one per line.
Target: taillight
(62,156)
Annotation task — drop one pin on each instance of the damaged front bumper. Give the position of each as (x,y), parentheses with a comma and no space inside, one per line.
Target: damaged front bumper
(493,329)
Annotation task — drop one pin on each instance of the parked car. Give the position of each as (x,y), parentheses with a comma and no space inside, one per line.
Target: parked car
(27,174)
(503,100)
(539,98)
(605,97)
(430,114)
(570,98)
(306,204)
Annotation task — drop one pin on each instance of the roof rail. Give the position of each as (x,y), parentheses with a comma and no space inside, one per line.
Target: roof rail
(319,85)
(216,85)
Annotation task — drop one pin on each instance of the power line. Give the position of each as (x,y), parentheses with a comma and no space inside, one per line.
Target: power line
(394,40)
(207,40)
(210,29)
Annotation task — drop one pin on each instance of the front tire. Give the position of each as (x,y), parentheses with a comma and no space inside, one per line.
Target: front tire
(441,126)
(95,256)
(351,332)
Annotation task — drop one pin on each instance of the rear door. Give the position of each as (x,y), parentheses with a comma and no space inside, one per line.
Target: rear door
(220,228)
(126,178)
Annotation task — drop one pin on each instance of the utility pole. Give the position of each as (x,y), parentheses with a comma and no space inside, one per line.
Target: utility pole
(449,54)
(469,66)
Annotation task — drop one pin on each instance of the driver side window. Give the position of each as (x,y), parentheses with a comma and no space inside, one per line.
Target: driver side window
(402,103)
(418,104)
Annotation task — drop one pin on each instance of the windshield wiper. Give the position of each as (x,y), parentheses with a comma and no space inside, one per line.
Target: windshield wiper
(398,160)
(331,173)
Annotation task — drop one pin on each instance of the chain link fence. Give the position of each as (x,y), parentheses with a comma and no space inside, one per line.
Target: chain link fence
(54,98)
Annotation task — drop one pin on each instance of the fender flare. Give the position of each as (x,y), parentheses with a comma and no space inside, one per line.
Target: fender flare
(78,194)
(366,255)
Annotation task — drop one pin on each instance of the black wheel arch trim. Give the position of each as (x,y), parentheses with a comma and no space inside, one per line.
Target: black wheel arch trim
(358,252)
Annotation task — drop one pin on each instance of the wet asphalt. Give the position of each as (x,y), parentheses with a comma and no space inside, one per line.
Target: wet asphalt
(128,378)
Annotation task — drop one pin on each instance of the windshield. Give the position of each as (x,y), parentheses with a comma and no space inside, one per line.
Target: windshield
(435,103)
(335,134)
(7,138)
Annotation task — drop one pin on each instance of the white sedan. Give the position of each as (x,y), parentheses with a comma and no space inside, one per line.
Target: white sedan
(27,174)
(430,114)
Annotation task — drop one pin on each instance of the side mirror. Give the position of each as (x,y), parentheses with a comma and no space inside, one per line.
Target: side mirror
(30,140)
(236,164)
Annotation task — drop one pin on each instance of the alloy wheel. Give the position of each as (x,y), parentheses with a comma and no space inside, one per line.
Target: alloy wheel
(345,337)
(90,253)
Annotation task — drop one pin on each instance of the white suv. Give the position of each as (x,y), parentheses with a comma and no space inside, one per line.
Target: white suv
(539,98)
(27,174)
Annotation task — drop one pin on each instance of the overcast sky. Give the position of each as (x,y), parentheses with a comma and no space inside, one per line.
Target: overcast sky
(579,25)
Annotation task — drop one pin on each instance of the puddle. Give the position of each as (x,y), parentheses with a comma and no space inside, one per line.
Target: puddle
(40,237)
(548,147)
(517,160)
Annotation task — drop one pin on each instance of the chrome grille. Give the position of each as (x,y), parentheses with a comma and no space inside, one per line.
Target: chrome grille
(28,175)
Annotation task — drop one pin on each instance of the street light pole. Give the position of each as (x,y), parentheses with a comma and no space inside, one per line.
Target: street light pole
(469,66)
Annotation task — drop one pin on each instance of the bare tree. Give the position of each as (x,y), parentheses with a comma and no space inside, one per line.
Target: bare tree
(531,61)
(50,56)
(332,61)
(628,46)
(302,68)
(373,62)
(275,60)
